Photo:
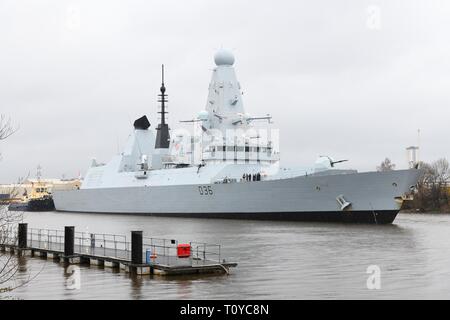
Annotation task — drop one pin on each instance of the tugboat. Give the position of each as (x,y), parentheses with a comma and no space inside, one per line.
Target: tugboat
(41,198)
(236,175)
(38,199)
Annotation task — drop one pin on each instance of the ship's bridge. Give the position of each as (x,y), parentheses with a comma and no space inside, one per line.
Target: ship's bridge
(240,153)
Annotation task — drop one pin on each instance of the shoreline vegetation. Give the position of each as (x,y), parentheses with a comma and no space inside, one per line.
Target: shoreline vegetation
(412,211)
(432,194)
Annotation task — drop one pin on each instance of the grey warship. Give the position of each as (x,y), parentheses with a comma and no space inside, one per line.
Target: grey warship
(228,171)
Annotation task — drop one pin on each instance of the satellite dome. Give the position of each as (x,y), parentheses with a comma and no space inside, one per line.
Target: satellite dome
(224,57)
(203,115)
(323,163)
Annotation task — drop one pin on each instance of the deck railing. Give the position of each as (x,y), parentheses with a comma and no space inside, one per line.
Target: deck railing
(155,250)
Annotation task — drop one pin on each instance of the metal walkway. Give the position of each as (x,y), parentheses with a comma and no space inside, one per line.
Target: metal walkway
(158,256)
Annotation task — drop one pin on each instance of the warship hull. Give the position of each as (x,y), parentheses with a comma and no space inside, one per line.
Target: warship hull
(373,197)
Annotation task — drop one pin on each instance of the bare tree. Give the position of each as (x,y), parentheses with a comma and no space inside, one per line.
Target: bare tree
(386,165)
(441,168)
(422,198)
(432,194)
(9,264)
(441,174)
(6,129)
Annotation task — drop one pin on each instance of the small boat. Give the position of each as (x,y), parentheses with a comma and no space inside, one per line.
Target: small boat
(39,199)
(44,203)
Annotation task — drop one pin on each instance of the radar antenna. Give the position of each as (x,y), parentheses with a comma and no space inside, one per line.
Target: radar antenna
(39,173)
(162,135)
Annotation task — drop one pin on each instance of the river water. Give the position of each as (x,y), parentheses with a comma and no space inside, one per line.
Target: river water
(276,260)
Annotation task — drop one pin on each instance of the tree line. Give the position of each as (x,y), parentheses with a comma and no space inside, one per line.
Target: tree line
(433,188)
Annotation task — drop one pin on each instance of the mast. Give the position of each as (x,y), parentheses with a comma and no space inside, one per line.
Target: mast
(162,134)
(39,173)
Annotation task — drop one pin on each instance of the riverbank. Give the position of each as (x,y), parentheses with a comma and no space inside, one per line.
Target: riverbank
(445,209)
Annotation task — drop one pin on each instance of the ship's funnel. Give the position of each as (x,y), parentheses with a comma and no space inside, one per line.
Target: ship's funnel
(142,123)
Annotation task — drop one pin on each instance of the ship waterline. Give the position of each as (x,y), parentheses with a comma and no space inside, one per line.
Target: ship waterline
(373,198)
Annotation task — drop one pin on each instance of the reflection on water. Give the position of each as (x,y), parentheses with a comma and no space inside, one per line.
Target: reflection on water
(277,260)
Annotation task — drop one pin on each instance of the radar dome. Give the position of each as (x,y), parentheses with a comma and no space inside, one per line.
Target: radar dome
(323,163)
(224,57)
(203,115)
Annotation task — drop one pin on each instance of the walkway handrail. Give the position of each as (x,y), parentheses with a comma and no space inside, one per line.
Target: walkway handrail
(53,239)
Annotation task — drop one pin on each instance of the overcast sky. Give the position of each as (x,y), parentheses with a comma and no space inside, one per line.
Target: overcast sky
(350,79)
